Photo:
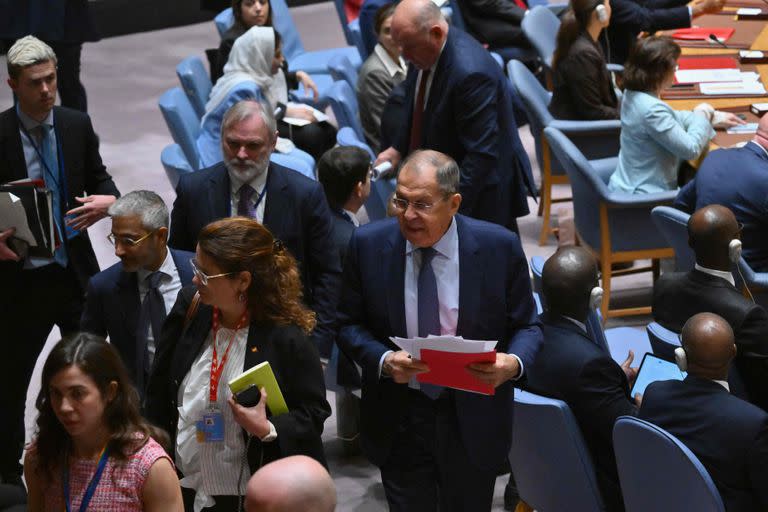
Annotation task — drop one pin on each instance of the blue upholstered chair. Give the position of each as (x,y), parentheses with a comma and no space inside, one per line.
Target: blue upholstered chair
(347,136)
(342,14)
(673,225)
(196,83)
(552,466)
(224,20)
(342,69)
(182,122)
(617,341)
(344,105)
(658,472)
(175,163)
(595,139)
(756,283)
(376,204)
(616,226)
(663,341)
(540,26)
(357,38)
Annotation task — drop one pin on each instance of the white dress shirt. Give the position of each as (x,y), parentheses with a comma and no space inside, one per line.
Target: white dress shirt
(170,284)
(722,274)
(258,183)
(393,67)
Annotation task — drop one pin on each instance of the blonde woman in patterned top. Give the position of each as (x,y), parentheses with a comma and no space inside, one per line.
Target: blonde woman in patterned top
(93,450)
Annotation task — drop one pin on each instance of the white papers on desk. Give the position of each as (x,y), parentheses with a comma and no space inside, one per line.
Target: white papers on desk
(695,76)
(295,121)
(748,86)
(455,344)
(748,11)
(743,128)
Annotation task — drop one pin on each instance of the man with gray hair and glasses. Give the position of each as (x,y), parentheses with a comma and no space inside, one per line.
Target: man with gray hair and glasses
(434,272)
(293,207)
(57,146)
(130,300)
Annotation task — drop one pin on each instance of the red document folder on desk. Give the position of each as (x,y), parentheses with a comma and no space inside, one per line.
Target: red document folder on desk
(714,62)
(449,369)
(702,33)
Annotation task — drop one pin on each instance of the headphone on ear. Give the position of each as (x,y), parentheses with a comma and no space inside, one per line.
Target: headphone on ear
(595,298)
(681,359)
(602,14)
(734,250)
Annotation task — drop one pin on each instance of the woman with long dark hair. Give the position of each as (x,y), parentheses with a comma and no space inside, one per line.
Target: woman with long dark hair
(93,450)
(249,312)
(582,85)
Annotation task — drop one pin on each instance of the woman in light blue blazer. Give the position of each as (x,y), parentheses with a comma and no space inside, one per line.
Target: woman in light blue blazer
(655,138)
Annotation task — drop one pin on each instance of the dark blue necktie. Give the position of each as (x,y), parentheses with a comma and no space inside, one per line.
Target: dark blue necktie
(428,308)
(245,203)
(52,183)
(152,316)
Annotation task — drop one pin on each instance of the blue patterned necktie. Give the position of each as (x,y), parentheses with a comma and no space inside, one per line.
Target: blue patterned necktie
(151,316)
(428,308)
(52,177)
(245,204)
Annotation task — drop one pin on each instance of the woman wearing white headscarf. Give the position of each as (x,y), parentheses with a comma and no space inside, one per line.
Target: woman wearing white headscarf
(256,60)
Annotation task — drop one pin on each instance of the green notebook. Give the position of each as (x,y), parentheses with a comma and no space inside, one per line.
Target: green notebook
(262,376)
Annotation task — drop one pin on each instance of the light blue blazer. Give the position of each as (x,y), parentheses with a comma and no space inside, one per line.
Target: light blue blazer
(654,140)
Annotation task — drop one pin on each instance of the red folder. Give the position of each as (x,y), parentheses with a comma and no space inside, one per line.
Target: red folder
(703,33)
(707,63)
(449,369)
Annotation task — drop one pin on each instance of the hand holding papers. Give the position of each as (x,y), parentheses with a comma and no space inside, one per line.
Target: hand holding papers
(446,361)
(298,114)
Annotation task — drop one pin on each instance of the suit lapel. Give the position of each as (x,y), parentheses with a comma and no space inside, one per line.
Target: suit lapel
(393,256)
(254,350)
(14,154)
(63,128)
(128,300)
(470,277)
(194,338)
(218,190)
(279,205)
(183,268)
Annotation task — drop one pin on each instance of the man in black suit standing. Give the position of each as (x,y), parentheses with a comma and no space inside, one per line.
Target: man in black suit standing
(290,205)
(714,236)
(58,146)
(130,300)
(572,367)
(459,102)
(728,435)
(345,173)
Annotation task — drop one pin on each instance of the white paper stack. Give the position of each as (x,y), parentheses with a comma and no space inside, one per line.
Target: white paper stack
(444,343)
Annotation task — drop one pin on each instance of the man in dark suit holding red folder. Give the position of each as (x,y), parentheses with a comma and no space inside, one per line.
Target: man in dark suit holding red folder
(431,271)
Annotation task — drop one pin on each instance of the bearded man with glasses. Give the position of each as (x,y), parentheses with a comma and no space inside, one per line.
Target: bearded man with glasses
(130,300)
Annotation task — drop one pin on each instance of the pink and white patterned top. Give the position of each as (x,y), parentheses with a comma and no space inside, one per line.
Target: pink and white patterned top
(119,489)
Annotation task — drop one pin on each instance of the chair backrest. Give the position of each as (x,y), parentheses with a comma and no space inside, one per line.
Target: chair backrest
(182,122)
(283,23)
(224,21)
(356,38)
(673,225)
(175,163)
(552,466)
(196,82)
(342,13)
(658,472)
(663,341)
(537,267)
(341,68)
(535,100)
(344,105)
(540,26)
(346,136)
(457,19)
(376,204)
(588,187)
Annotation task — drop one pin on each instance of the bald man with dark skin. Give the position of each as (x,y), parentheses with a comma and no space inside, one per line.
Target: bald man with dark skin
(709,287)
(728,435)
(571,367)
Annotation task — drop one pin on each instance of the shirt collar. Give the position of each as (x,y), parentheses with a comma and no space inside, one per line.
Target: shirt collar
(437,61)
(390,65)
(581,325)
(764,150)
(28,123)
(446,246)
(257,183)
(724,384)
(352,217)
(166,268)
(722,274)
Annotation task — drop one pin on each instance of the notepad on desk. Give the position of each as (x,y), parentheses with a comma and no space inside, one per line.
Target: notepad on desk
(744,88)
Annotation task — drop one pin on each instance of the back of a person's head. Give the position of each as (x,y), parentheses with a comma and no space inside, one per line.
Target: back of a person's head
(708,346)
(339,170)
(650,61)
(713,233)
(297,483)
(567,281)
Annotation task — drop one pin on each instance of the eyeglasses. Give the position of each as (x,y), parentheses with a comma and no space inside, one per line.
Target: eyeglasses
(203,277)
(126,240)
(402,204)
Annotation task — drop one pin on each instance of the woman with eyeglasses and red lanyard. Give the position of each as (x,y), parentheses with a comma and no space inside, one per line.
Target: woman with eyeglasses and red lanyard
(249,311)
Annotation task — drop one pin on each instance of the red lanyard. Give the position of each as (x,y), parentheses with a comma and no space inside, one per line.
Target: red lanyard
(218,368)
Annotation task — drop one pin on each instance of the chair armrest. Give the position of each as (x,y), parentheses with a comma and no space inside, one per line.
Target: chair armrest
(574,127)
(624,200)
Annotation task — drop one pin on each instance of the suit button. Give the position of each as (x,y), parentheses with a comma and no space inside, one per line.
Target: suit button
(176,383)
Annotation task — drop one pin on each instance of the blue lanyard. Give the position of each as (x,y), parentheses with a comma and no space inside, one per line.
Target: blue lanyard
(57,178)
(91,489)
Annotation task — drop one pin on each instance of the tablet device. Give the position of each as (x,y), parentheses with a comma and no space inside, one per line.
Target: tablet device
(654,368)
